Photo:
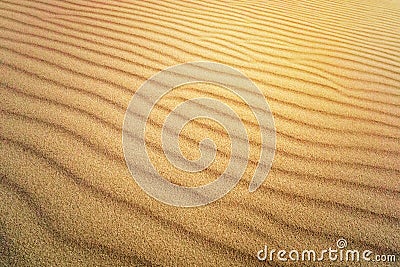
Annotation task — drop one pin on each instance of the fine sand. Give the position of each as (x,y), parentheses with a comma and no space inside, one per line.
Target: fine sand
(330,71)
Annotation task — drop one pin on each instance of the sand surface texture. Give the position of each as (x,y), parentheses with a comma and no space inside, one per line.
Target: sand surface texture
(330,71)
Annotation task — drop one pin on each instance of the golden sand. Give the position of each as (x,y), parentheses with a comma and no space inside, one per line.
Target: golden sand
(330,71)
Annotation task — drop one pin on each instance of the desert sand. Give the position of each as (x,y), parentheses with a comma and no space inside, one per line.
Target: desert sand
(329,70)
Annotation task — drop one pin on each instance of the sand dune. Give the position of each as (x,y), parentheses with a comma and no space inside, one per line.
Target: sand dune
(330,71)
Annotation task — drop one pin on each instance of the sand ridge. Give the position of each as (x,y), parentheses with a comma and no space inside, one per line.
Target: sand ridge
(330,71)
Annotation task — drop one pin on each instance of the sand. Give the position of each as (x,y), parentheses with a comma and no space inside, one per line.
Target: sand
(329,70)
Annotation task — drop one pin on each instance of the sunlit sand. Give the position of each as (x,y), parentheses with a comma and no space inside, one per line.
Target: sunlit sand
(330,71)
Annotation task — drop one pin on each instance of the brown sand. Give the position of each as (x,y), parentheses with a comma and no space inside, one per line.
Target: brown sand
(330,71)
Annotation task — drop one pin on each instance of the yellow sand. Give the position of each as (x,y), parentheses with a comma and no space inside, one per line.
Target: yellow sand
(330,71)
